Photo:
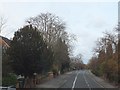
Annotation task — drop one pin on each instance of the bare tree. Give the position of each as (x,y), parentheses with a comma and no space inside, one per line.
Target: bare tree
(3,22)
(51,26)
(53,31)
(106,61)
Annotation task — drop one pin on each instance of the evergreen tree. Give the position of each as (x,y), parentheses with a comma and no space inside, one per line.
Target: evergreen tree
(29,53)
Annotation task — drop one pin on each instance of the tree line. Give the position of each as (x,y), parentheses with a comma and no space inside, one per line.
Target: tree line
(105,61)
(42,45)
(77,62)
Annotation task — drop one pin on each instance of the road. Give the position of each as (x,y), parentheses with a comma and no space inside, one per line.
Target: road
(76,79)
(81,79)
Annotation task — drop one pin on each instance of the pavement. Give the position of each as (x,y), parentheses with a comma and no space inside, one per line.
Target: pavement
(76,79)
(56,82)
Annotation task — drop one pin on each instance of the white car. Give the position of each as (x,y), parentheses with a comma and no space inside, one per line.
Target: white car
(8,88)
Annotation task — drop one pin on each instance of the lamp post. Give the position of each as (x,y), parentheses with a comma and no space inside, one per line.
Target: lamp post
(21,81)
(34,80)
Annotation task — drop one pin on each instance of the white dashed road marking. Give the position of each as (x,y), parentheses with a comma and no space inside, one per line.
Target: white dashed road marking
(73,85)
(86,82)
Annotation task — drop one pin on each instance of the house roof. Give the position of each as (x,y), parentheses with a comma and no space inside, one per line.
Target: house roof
(4,41)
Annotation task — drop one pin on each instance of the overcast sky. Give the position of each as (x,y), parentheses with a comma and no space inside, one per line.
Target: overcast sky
(87,20)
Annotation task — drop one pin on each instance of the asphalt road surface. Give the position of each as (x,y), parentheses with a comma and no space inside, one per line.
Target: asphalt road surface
(76,79)
(81,79)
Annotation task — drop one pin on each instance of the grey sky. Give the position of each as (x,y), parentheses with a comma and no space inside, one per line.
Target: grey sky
(87,20)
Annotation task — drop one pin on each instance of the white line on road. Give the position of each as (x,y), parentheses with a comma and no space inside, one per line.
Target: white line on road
(86,82)
(73,85)
(96,81)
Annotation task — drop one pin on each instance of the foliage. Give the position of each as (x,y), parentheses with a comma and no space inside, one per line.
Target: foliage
(61,55)
(77,63)
(55,70)
(6,68)
(105,62)
(9,80)
(29,53)
(52,28)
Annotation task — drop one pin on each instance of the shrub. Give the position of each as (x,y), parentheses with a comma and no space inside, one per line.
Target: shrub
(9,80)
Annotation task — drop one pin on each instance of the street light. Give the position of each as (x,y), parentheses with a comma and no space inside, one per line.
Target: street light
(21,81)
(34,80)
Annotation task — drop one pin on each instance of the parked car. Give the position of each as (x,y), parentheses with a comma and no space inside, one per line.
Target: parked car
(8,88)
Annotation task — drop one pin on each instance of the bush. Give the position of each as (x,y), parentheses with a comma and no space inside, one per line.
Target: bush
(55,72)
(9,80)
